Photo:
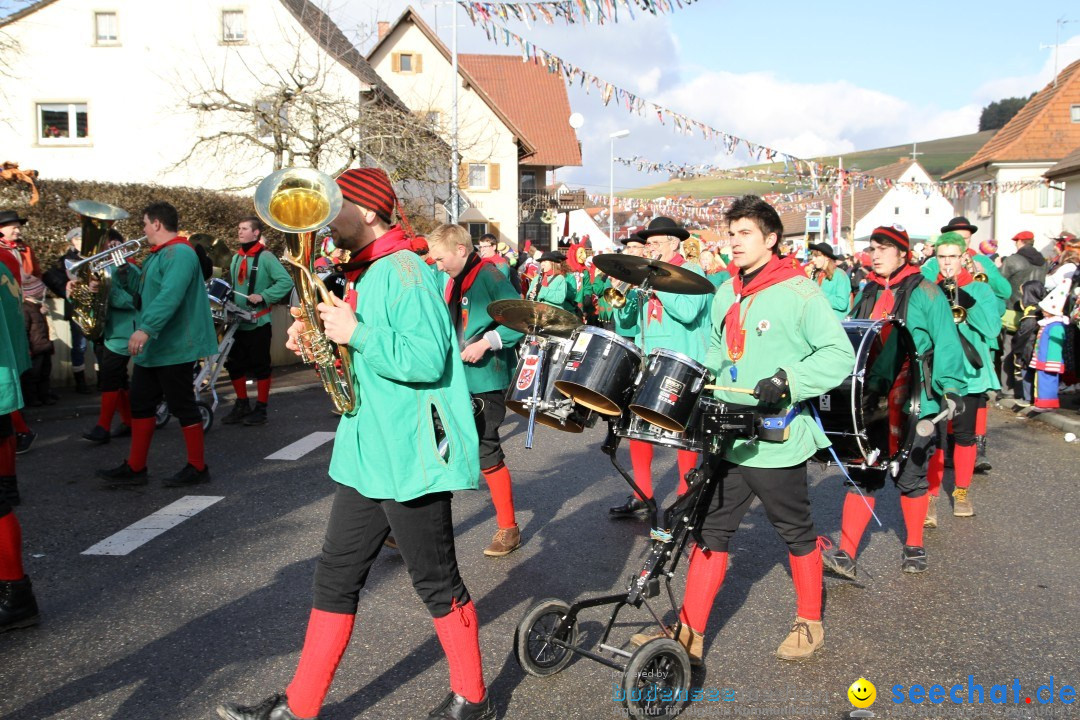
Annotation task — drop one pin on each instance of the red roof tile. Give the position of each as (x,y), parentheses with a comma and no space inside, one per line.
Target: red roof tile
(1041,131)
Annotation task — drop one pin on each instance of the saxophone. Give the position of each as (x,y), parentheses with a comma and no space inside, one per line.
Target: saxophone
(89,307)
(298,202)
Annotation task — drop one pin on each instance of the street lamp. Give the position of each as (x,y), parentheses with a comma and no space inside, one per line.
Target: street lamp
(611,196)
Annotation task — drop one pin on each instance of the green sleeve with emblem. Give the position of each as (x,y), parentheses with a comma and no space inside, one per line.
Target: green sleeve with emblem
(174,309)
(791,327)
(272,281)
(120,320)
(11,305)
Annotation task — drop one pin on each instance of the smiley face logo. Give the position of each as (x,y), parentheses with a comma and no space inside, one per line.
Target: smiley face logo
(862,693)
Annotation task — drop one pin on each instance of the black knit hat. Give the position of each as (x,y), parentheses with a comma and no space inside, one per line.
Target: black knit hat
(894,234)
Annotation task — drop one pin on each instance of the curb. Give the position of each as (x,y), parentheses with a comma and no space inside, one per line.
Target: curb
(1054,418)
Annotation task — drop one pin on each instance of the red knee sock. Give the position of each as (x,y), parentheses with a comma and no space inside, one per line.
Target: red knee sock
(7,456)
(11,567)
(327,637)
(19,422)
(963,464)
(502,494)
(687,461)
(641,454)
(935,471)
(980,421)
(109,401)
(459,633)
(193,438)
(263,387)
(854,519)
(142,432)
(806,575)
(703,581)
(914,510)
(240,386)
(124,406)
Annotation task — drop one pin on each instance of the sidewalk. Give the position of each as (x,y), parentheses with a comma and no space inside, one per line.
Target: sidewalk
(1066,418)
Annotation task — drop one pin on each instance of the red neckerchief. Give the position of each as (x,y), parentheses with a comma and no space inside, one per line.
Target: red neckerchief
(777,270)
(546,277)
(656,308)
(962,278)
(11,262)
(457,287)
(256,248)
(393,240)
(175,241)
(21,252)
(883,306)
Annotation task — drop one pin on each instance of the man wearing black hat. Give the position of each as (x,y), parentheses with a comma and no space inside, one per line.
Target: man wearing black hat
(672,322)
(895,288)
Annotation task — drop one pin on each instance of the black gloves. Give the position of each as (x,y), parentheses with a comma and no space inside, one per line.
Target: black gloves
(771,390)
(963,298)
(956,401)
(966,301)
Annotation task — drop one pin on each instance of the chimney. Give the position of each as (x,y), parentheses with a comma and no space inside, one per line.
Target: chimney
(384,28)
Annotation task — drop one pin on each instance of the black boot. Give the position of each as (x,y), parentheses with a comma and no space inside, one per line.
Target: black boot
(80,383)
(23,441)
(839,563)
(122,476)
(18,608)
(631,508)
(913,559)
(257,416)
(240,410)
(188,476)
(9,490)
(275,707)
(982,462)
(455,707)
(97,435)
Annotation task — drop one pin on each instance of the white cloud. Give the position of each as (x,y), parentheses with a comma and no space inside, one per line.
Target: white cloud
(1023,85)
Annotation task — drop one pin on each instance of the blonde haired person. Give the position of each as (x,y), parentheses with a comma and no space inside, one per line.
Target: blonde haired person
(833,281)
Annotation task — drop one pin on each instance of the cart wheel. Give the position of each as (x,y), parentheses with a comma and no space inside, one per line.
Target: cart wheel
(161,415)
(656,681)
(534,653)
(207,414)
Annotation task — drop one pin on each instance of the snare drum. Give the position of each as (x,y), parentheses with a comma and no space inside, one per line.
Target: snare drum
(553,409)
(219,290)
(633,427)
(868,417)
(668,391)
(599,370)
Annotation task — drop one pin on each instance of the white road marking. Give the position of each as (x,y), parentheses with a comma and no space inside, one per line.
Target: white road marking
(153,525)
(302,447)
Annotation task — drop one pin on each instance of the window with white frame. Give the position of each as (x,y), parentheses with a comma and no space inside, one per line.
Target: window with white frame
(1074,113)
(63,123)
(233,26)
(106,28)
(478,176)
(1050,198)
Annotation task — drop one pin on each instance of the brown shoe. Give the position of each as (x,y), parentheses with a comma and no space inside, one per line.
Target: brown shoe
(962,503)
(931,513)
(694,642)
(805,638)
(506,541)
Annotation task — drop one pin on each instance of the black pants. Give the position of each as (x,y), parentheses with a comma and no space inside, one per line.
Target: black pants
(783,493)
(175,383)
(911,481)
(37,379)
(250,354)
(424,531)
(114,370)
(488,420)
(963,425)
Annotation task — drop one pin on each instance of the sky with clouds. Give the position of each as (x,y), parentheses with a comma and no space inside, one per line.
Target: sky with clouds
(805,78)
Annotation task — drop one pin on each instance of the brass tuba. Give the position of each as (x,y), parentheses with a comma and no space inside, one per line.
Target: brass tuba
(89,307)
(299,202)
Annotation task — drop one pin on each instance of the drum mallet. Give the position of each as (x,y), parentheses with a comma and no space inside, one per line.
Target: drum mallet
(925,428)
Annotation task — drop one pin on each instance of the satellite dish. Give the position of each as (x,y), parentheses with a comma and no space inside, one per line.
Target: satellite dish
(577,120)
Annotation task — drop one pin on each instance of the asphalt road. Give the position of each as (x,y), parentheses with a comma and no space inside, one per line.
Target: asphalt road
(214,608)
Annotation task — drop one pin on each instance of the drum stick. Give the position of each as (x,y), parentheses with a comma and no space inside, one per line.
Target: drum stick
(925,428)
(724,388)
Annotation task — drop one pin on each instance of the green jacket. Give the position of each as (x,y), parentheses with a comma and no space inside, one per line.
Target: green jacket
(928,319)
(495,368)
(600,283)
(683,325)
(11,303)
(120,320)
(175,309)
(838,292)
(980,327)
(719,277)
(799,334)
(10,388)
(272,281)
(558,292)
(1001,287)
(407,371)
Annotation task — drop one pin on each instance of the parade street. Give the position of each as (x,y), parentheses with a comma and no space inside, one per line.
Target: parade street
(207,601)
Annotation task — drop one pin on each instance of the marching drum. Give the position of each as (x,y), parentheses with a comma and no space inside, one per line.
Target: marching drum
(634,427)
(599,370)
(869,417)
(220,292)
(553,409)
(668,390)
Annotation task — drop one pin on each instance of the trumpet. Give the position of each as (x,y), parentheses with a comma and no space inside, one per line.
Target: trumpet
(976,271)
(616,294)
(299,202)
(90,306)
(952,292)
(108,259)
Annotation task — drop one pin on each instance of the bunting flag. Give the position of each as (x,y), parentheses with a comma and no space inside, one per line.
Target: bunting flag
(570,12)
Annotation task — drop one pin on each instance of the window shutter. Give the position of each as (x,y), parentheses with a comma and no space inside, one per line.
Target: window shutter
(493,176)
(463,176)
(395,62)
(493,228)
(418,63)
(1027,201)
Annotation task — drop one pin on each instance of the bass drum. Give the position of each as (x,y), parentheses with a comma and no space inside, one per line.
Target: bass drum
(553,409)
(868,418)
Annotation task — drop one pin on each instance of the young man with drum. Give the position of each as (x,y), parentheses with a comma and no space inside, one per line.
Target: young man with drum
(675,322)
(975,310)
(399,456)
(774,339)
(895,288)
(258,281)
(487,349)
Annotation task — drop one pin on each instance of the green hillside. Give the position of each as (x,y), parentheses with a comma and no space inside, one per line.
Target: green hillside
(937,156)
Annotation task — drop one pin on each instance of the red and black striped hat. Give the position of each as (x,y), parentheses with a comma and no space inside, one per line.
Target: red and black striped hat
(369,188)
(895,234)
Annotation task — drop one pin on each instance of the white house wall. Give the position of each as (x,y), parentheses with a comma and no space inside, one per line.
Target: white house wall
(1011,212)
(1070,219)
(921,215)
(137,91)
